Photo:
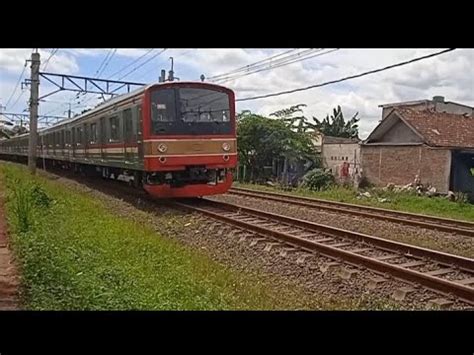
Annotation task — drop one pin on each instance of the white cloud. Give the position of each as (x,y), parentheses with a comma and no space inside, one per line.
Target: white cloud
(450,75)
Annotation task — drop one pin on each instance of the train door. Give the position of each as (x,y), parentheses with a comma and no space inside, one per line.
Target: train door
(73,142)
(128,135)
(86,135)
(67,144)
(139,127)
(103,138)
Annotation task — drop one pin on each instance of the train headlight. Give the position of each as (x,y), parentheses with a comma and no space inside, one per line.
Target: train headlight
(226,146)
(162,147)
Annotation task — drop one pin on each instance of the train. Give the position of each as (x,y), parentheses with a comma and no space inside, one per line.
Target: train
(173,139)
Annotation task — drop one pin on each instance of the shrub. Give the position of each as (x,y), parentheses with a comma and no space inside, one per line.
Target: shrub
(318,179)
(22,206)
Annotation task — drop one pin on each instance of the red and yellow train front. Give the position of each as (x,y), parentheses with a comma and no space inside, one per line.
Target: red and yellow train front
(189,144)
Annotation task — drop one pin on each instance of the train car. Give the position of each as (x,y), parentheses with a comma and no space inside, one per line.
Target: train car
(174,139)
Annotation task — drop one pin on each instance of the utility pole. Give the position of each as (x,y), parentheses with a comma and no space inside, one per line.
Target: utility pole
(68,111)
(34,93)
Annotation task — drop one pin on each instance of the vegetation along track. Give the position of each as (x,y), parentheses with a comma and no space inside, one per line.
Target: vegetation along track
(444,273)
(413,219)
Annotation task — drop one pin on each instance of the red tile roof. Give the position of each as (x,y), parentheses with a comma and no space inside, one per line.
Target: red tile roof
(441,129)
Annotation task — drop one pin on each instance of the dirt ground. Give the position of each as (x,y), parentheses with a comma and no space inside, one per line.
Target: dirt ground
(8,271)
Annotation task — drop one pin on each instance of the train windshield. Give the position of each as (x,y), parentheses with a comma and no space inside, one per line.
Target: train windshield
(190,111)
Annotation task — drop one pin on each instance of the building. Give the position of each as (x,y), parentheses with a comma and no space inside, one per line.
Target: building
(342,156)
(437,146)
(437,104)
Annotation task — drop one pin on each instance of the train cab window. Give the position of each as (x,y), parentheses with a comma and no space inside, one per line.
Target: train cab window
(93,133)
(114,129)
(190,110)
(163,108)
(128,125)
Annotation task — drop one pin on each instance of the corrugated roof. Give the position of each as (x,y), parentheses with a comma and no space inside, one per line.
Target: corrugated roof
(439,128)
(339,140)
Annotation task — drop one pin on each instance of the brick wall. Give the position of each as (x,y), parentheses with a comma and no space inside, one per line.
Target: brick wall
(399,165)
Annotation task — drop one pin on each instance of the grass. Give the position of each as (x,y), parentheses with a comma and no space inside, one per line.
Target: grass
(73,254)
(407,202)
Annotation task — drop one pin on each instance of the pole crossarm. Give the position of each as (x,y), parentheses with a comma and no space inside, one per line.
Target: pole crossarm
(86,84)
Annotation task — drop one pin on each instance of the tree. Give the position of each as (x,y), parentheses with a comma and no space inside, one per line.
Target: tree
(261,140)
(336,126)
(300,123)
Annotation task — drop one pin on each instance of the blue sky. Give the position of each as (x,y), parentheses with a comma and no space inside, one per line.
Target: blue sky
(450,75)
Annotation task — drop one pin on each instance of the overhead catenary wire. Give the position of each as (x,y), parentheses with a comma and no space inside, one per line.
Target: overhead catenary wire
(249,66)
(272,63)
(103,62)
(269,63)
(52,54)
(16,86)
(107,62)
(347,77)
(142,64)
(271,67)
(131,63)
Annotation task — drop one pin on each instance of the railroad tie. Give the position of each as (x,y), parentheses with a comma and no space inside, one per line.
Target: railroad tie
(375,282)
(401,293)
(440,303)
(329,266)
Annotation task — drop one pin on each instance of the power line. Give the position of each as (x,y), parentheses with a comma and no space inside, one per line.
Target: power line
(272,63)
(249,66)
(16,86)
(101,64)
(130,64)
(108,61)
(18,99)
(271,67)
(46,62)
(347,77)
(146,61)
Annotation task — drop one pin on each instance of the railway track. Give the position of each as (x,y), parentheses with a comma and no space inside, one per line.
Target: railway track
(450,275)
(412,219)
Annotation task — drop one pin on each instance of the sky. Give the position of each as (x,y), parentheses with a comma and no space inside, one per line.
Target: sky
(450,75)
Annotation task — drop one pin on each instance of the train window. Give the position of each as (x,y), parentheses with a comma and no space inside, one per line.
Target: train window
(201,105)
(114,128)
(190,111)
(128,126)
(62,138)
(163,108)
(93,137)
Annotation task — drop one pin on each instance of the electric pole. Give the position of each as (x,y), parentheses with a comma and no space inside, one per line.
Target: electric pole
(34,93)
(68,111)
